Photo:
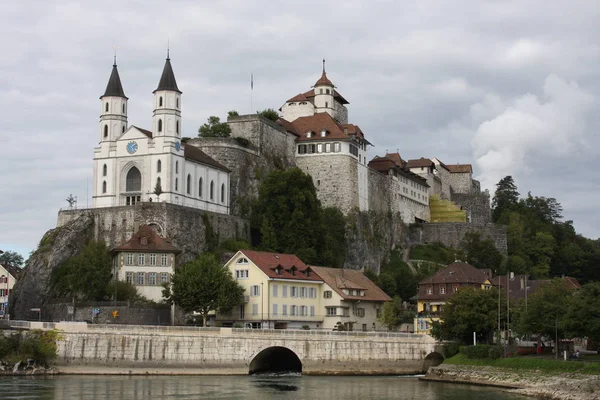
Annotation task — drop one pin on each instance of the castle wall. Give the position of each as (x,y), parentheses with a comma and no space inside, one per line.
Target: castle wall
(476,204)
(452,233)
(340,112)
(461,182)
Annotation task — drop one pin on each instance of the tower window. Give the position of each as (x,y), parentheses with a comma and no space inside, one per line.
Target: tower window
(320,91)
(212,190)
(222,193)
(106,107)
(104,170)
(189,184)
(160,101)
(176,184)
(104,187)
(160,125)
(123,108)
(200,187)
(177,102)
(123,129)
(158,166)
(105,131)
(326,104)
(176,167)
(177,127)
(327,91)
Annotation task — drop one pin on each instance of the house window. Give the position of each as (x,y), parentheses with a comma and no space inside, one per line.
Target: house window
(327,294)
(254,309)
(312,311)
(140,278)
(302,292)
(241,274)
(331,311)
(242,261)
(163,259)
(129,260)
(189,184)
(327,91)
(129,277)
(158,166)
(359,312)
(302,149)
(308,134)
(222,193)
(275,290)
(429,289)
(255,290)
(212,190)
(164,277)
(275,309)
(285,290)
(319,148)
(442,289)
(327,147)
(284,309)
(378,312)
(294,291)
(141,258)
(242,311)
(455,288)
(160,125)
(303,311)
(152,278)
(293,310)
(200,187)
(104,187)
(312,293)
(152,259)
(337,147)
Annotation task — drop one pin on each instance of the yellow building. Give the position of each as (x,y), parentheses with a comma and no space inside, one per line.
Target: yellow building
(435,290)
(281,292)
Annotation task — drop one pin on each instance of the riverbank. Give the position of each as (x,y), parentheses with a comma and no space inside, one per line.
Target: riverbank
(543,385)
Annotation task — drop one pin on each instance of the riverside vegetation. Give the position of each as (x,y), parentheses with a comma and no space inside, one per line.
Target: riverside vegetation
(27,352)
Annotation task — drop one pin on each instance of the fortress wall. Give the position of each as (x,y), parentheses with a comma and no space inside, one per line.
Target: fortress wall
(452,233)
(477,206)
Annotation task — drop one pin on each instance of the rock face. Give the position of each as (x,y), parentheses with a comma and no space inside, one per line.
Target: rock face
(33,288)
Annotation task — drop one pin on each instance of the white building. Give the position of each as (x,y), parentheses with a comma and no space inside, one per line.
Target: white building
(131,162)
(8,278)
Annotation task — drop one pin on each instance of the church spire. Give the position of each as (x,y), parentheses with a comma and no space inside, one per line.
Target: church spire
(323,80)
(114,87)
(167,79)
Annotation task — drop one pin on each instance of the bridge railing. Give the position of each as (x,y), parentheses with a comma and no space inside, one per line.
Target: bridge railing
(309,332)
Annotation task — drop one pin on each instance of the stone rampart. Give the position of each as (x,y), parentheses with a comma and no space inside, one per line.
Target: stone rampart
(452,233)
(476,204)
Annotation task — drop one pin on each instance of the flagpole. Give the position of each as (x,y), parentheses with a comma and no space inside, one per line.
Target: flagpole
(251,90)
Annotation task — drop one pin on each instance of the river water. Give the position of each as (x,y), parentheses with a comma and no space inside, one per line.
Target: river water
(239,387)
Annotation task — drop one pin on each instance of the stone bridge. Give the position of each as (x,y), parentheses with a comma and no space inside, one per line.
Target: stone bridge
(239,351)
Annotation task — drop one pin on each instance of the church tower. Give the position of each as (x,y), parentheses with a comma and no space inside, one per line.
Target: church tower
(324,94)
(167,105)
(113,112)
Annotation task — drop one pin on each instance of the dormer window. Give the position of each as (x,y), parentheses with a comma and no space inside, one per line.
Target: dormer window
(308,134)
(144,241)
(278,270)
(323,133)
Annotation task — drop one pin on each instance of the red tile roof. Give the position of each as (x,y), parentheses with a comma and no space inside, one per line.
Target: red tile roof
(324,80)
(458,272)
(288,265)
(395,157)
(382,164)
(311,93)
(340,279)
(195,154)
(460,168)
(147,240)
(319,121)
(287,125)
(421,162)
(298,97)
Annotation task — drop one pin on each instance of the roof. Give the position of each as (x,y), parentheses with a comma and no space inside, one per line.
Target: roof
(323,80)
(339,279)
(298,97)
(389,162)
(421,162)
(460,168)
(195,154)
(167,79)
(13,270)
(458,272)
(147,240)
(440,163)
(311,93)
(288,265)
(287,125)
(144,131)
(395,157)
(319,121)
(114,87)
(517,285)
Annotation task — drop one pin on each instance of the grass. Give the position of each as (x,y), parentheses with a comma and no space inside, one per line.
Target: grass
(591,367)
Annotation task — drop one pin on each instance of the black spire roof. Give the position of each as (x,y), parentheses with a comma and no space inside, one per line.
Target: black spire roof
(114,87)
(167,80)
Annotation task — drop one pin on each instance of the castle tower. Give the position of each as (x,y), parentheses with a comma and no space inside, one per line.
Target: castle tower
(113,112)
(324,91)
(167,105)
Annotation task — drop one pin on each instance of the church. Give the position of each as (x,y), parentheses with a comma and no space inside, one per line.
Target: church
(132,164)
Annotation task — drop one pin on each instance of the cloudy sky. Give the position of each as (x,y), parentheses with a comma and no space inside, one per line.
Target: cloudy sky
(510,86)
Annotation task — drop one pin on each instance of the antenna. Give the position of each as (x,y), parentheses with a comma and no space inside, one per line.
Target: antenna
(115,55)
(323,65)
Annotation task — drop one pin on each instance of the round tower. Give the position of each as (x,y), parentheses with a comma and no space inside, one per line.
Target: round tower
(324,90)
(166,120)
(113,108)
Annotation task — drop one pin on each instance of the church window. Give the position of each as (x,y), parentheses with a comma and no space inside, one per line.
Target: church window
(104,187)
(176,167)
(104,170)
(189,184)
(160,125)
(212,190)
(222,193)
(200,187)
(177,102)
(327,91)
(176,183)
(177,127)
(158,166)
(105,131)
(106,107)
(133,182)
(123,129)
(160,101)
(123,108)
(326,104)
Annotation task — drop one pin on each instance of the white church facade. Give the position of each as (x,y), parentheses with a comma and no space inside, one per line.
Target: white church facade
(133,165)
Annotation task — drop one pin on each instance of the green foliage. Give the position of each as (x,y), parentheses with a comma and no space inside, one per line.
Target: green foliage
(204,285)
(450,349)
(582,318)
(481,253)
(214,128)
(390,313)
(86,275)
(289,219)
(232,113)
(528,363)
(11,258)
(124,291)
(158,189)
(505,199)
(436,252)
(482,351)
(40,346)
(269,114)
(397,278)
(466,311)
(211,237)
(233,245)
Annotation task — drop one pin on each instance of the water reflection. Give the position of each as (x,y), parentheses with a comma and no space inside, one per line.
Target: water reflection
(237,387)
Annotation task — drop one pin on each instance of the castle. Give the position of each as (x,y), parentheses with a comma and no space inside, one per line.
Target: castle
(134,165)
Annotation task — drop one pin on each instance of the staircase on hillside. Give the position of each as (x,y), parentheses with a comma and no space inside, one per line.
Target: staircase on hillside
(445,211)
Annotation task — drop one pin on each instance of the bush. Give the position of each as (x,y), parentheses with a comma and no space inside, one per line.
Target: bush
(482,351)
(451,349)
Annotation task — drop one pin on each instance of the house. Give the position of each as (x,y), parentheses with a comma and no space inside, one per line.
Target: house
(435,290)
(520,287)
(146,261)
(8,277)
(351,300)
(281,292)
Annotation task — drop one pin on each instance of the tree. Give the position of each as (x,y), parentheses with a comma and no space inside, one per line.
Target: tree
(390,313)
(158,190)
(214,128)
(466,311)
(505,199)
(233,113)
(86,275)
(204,285)
(269,114)
(11,258)
(583,316)
(481,253)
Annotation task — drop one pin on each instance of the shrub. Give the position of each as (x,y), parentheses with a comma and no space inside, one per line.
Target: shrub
(481,351)
(451,349)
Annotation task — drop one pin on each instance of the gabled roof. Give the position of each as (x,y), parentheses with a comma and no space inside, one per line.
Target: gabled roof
(319,121)
(195,154)
(336,95)
(288,265)
(459,272)
(521,284)
(460,168)
(147,240)
(114,87)
(339,279)
(287,125)
(395,157)
(421,162)
(298,97)
(394,161)
(167,79)
(144,131)
(13,270)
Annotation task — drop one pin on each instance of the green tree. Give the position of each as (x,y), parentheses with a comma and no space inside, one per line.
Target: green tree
(214,128)
(333,245)
(541,253)
(158,189)
(390,313)
(466,311)
(86,275)
(11,258)
(204,285)
(583,316)
(269,114)
(505,199)
(233,113)
(481,253)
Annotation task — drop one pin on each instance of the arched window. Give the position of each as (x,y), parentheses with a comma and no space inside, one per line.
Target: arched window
(160,125)
(105,131)
(222,193)
(177,102)
(104,187)
(212,190)
(176,184)
(104,170)
(133,182)
(123,130)
(106,107)
(177,127)
(160,101)
(158,166)
(189,184)
(123,108)
(200,187)
(176,167)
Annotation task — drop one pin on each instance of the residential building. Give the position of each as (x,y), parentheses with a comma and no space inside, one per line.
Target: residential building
(147,261)
(281,292)
(435,290)
(351,300)
(8,277)
(521,286)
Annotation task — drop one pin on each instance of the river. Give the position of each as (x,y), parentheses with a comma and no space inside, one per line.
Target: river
(86,387)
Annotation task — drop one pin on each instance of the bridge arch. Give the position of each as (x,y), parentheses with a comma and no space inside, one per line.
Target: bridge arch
(275,359)
(432,359)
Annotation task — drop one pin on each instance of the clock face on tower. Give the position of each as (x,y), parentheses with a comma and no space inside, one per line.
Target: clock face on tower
(132,147)
(177,146)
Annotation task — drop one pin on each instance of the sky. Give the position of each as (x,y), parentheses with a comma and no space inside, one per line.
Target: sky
(509,86)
